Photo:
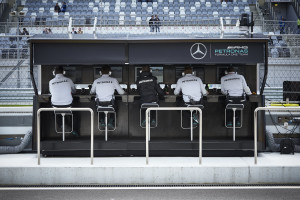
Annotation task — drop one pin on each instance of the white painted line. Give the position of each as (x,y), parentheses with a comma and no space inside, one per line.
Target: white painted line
(153,188)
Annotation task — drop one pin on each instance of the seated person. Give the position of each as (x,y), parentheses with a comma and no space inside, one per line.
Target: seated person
(192,89)
(149,90)
(64,7)
(57,8)
(104,87)
(234,86)
(61,89)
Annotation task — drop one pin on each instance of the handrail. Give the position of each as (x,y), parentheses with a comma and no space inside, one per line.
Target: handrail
(168,109)
(255,123)
(64,109)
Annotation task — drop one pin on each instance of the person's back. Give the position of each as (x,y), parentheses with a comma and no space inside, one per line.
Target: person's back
(234,84)
(105,86)
(61,89)
(191,86)
(148,87)
(64,7)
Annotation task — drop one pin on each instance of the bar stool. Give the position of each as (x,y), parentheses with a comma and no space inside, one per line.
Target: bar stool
(191,120)
(106,110)
(234,107)
(63,114)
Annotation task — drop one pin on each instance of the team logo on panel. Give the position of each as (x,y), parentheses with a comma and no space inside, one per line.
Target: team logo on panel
(198,51)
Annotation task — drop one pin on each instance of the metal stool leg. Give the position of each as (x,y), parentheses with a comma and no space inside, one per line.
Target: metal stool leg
(106,128)
(63,126)
(149,127)
(191,125)
(233,109)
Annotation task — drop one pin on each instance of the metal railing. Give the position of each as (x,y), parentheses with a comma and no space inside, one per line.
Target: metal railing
(63,109)
(255,122)
(171,109)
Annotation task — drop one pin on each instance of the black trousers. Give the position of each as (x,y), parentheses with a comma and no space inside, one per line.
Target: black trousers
(110,116)
(186,115)
(143,113)
(68,119)
(229,112)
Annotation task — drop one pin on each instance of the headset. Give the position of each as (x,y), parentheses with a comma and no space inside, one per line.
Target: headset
(142,71)
(53,72)
(193,73)
(109,73)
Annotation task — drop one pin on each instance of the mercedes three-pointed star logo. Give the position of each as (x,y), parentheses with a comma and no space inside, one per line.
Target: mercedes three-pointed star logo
(198,51)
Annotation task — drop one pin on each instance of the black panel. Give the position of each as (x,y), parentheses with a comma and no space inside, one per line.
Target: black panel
(196,53)
(79,53)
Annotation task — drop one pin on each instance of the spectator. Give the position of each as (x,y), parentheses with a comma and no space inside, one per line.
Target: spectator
(282,25)
(64,7)
(25,32)
(57,8)
(79,31)
(73,31)
(157,24)
(151,23)
(49,31)
(45,31)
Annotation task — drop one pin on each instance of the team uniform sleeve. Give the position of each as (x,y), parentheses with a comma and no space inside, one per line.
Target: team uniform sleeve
(73,89)
(50,88)
(222,87)
(178,87)
(202,87)
(118,87)
(245,87)
(158,88)
(93,90)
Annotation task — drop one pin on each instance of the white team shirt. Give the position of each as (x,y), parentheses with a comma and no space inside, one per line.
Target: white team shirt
(61,89)
(104,87)
(192,88)
(234,85)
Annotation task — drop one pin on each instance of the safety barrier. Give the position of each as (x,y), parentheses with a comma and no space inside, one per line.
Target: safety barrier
(64,109)
(169,109)
(255,122)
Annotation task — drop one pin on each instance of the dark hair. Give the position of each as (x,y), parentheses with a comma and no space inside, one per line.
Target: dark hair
(105,69)
(146,69)
(230,69)
(58,70)
(188,70)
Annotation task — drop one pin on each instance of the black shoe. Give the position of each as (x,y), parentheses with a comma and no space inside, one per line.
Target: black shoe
(102,124)
(153,123)
(229,124)
(196,118)
(144,123)
(75,134)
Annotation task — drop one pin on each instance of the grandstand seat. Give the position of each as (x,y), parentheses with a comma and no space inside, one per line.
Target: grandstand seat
(208,4)
(197,4)
(193,9)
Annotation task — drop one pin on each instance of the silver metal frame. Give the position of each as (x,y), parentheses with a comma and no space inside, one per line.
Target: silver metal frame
(233,118)
(63,124)
(255,122)
(106,112)
(191,121)
(63,109)
(169,109)
(142,107)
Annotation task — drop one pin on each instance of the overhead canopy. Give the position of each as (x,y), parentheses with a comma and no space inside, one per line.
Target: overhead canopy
(148,51)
